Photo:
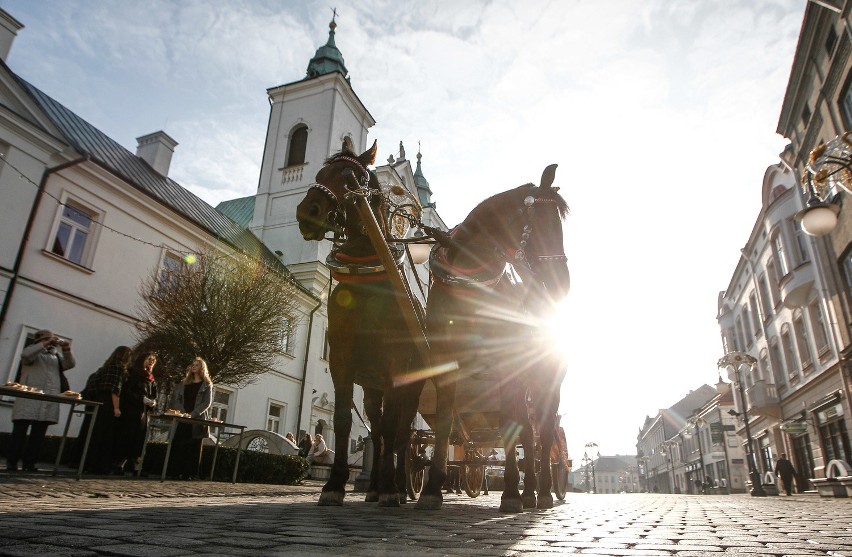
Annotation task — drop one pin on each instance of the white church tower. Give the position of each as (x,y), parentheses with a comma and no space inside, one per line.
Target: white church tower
(309,121)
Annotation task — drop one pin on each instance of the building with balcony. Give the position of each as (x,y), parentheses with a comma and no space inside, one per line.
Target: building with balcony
(787,303)
(659,457)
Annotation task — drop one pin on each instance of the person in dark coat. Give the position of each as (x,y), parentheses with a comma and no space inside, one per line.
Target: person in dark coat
(193,396)
(104,386)
(42,365)
(305,445)
(784,469)
(138,399)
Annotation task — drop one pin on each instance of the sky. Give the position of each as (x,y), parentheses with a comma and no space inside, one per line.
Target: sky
(660,113)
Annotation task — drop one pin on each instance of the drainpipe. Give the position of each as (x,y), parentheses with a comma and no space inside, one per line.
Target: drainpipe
(19,258)
(305,365)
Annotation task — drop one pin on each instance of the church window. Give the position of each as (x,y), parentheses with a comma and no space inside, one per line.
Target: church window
(298,146)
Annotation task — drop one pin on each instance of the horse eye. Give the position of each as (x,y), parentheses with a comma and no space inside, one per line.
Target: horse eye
(315,209)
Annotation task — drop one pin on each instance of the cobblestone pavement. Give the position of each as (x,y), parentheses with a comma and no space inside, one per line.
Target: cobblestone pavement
(56,516)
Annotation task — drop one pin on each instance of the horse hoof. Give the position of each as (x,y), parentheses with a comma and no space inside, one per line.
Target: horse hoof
(529,501)
(511,506)
(389,500)
(544,502)
(331,499)
(371,497)
(429,503)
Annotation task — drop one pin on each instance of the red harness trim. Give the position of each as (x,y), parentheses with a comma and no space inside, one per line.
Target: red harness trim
(348,279)
(356,259)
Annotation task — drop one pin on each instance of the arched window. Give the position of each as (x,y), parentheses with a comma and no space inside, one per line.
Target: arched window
(777,363)
(789,354)
(763,366)
(818,326)
(802,341)
(298,145)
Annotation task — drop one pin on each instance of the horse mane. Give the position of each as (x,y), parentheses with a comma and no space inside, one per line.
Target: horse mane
(495,208)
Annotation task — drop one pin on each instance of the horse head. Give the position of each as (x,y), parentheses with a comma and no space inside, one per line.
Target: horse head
(326,206)
(541,246)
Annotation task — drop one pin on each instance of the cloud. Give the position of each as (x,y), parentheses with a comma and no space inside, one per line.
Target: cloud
(661,115)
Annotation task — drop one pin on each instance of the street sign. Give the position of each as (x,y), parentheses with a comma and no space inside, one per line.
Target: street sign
(794,427)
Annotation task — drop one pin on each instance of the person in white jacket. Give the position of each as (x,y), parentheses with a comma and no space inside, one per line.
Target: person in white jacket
(319,450)
(42,365)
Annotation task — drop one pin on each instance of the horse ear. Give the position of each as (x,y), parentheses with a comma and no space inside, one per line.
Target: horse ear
(548,176)
(347,145)
(368,157)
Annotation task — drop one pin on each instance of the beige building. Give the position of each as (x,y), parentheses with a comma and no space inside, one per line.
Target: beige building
(787,304)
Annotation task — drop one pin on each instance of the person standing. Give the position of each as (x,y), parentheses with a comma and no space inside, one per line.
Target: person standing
(192,396)
(138,399)
(784,469)
(42,365)
(104,386)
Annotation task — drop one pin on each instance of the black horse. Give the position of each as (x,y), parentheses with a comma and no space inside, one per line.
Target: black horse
(496,279)
(367,338)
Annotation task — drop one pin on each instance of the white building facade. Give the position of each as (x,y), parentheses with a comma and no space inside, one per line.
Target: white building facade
(83,221)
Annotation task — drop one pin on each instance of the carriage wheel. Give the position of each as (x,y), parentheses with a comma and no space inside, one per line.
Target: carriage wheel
(560,479)
(473,474)
(416,469)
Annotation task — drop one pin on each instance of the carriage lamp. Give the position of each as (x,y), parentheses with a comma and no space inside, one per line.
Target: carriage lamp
(420,250)
(736,363)
(829,169)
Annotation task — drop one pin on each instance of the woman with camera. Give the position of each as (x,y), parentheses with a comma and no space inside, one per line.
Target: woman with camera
(42,365)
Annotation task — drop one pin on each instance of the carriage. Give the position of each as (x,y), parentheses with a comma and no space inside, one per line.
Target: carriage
(478,434)
(485,327)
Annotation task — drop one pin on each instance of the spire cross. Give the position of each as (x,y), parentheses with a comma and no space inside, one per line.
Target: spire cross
(333,14)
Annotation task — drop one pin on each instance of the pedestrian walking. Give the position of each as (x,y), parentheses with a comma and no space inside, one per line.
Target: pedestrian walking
(43,364)
(192,396)
(784,469)
(138,399)
(104,386)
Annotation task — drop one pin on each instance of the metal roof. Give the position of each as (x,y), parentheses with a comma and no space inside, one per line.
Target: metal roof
(240,210)
(108,153)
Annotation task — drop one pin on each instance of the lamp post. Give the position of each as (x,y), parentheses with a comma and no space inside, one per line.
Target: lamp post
(829,169)
(593,445)
(698,423)
(732,362)
(666,451)
(643,472)
(586,465)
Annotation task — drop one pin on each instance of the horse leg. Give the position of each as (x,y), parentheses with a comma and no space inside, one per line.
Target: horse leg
(408,398)
(432,498)
(547,409)
(373,410)
(527,439)
(334,489)
(511,501)
(388,494)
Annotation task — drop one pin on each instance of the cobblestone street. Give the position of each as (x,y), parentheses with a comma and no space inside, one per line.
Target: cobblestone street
(44,515)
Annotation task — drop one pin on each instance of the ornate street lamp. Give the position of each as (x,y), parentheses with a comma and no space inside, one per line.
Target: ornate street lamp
(734,361)
(643,472)
(587,463)
(666,451)
(829,169)
(697,424)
